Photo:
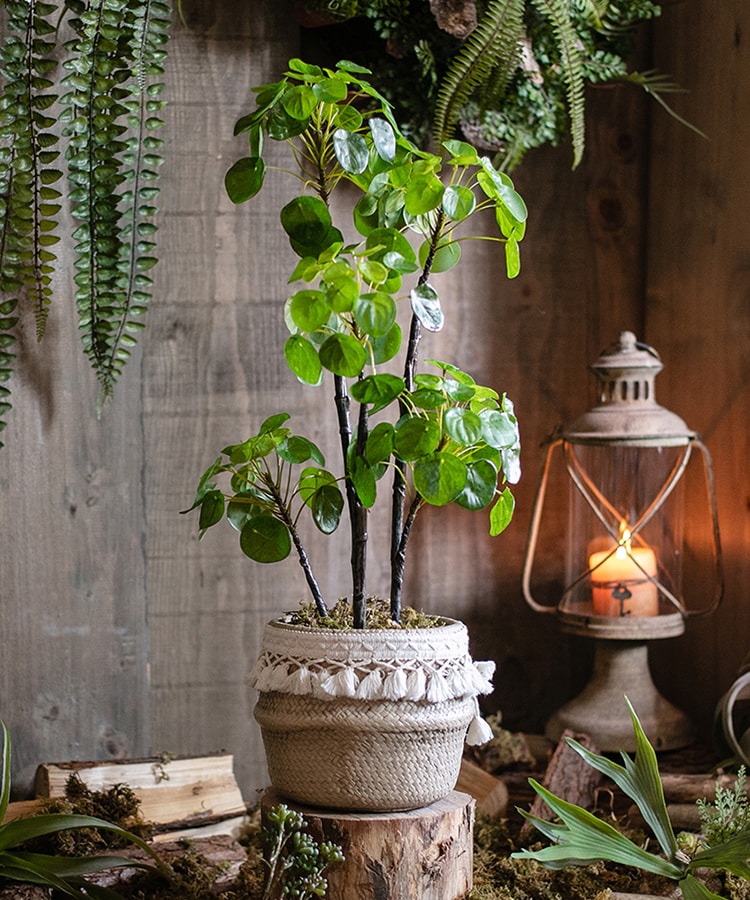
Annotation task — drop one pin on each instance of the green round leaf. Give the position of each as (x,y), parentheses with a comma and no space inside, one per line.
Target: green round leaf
(425,305)
(458,202)
(379,445)
(265,539)
(499,428)
(481,482)
(383,138)
(299,101)
(245,178)
(440,478)
(512,258)
(364,481)
(378,390)
(351,151)
(375,313)
(423,193)
(343,355)
(307,222)
(342,288)
(309,310)
(415,437)
(446,256)
(502,512)
(384,348)
(273,422)
(330,90)
(326,505)
(462,426)
(298,449)
(212,509)
(428,398)
(373,272)
(302,358)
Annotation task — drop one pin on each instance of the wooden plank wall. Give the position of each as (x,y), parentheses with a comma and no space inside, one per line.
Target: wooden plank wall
(121,635)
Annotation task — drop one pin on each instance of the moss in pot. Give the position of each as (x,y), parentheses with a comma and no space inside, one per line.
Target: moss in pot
(433,436)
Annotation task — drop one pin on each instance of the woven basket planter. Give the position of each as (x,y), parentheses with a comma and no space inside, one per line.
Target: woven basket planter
(370,720)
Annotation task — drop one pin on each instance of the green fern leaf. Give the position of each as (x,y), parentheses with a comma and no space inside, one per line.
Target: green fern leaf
(558,13)
(491,48)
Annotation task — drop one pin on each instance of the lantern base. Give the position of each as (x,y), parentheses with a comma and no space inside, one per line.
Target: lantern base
(621,669)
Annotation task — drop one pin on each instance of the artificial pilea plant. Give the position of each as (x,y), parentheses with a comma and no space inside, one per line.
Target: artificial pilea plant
(449,440)
(97,112)
(580,838)
(63,873)
(509,73)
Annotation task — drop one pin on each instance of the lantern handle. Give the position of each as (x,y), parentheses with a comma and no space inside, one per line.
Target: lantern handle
(536,518)
(718,561)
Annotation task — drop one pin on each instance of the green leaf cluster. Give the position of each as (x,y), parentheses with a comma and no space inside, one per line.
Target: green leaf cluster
(441,436)
(102,105)
(295,860)
(515,82)
(580,838)
(66,875)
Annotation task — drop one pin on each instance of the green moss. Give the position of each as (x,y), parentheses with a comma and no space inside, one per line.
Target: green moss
(378,616)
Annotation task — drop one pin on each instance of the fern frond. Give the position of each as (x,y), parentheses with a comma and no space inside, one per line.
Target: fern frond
(557,12)
(492,47)
(118,46)
(655,84)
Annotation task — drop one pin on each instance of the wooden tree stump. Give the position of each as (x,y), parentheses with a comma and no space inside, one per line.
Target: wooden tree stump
(422,854)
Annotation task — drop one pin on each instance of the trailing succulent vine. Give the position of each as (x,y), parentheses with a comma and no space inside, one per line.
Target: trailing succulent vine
(99,111)
(510,74)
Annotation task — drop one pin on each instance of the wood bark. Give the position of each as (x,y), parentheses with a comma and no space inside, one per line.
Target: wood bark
(421,854)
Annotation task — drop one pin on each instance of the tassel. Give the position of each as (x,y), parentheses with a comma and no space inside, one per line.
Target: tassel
(416,684)
(371,686)
(483,672)
(266,678)
(479,732)
(437,689)
(343,683)
(394,687)
(298,682)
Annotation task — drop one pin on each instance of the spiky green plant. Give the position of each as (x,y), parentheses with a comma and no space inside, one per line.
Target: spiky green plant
(109,109)
(580,838)
(65,874)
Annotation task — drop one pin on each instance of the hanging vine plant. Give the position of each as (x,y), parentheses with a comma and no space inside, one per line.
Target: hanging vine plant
(98,111)
(508,74)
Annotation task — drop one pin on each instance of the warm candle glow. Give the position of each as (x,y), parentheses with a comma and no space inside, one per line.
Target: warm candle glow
(620,583)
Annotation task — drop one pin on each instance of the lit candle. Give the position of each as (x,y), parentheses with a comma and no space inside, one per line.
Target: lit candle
(620,583)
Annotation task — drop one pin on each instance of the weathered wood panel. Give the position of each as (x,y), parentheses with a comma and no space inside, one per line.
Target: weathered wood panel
(698,312)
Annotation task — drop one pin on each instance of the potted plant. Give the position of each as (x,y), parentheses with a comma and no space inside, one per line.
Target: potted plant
(433,437)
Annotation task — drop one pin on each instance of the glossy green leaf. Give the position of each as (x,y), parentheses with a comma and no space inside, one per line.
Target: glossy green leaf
(415,436)
(302,358)
(425,305)
(481,483)
(298,449)
(502,512)
(351,151)
(423,193)
(375,313)
(447,254)
(265,539)
(343,354)
(463,426)
(307,222)
(330,90)
(378,391)
(384,348)
(499,428)
(299,101)
(363,478)
(379,445)
(212,509)
(245,178)
(383,138)
(512,258)
(458,202)
(326,505)
(439,478)
(309,310)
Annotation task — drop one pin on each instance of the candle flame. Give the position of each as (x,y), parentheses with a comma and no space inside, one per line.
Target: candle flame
(623,546)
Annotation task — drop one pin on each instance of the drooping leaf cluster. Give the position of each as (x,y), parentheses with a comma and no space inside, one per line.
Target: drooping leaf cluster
(580,838)
(513,83)
(101,107)
(450,439)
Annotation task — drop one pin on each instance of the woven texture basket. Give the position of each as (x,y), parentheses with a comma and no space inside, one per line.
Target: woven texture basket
(366,720)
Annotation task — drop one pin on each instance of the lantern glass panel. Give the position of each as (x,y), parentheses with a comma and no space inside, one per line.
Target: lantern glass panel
(626,528)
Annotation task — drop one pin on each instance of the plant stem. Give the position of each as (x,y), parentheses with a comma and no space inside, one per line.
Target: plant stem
(304,560)
(399,530)
(357,513)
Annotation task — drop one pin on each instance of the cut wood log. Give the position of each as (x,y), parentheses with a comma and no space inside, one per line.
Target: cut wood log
(186,791)
(421,854)
(689,788)
(568,776)
(490,792)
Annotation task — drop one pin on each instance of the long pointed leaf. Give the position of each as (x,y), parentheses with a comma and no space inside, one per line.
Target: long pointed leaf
(692,889)
(732,855)
(582,838)
(4,770)
(639,779)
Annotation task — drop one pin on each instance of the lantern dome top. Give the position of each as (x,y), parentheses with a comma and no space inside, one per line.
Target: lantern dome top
(627,411)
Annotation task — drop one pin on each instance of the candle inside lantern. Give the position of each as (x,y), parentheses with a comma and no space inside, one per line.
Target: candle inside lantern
(620,583)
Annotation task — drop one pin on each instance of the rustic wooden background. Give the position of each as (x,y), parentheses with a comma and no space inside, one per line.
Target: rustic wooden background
(121,635)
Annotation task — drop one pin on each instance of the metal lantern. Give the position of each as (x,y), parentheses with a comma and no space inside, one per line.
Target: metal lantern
(625,459)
